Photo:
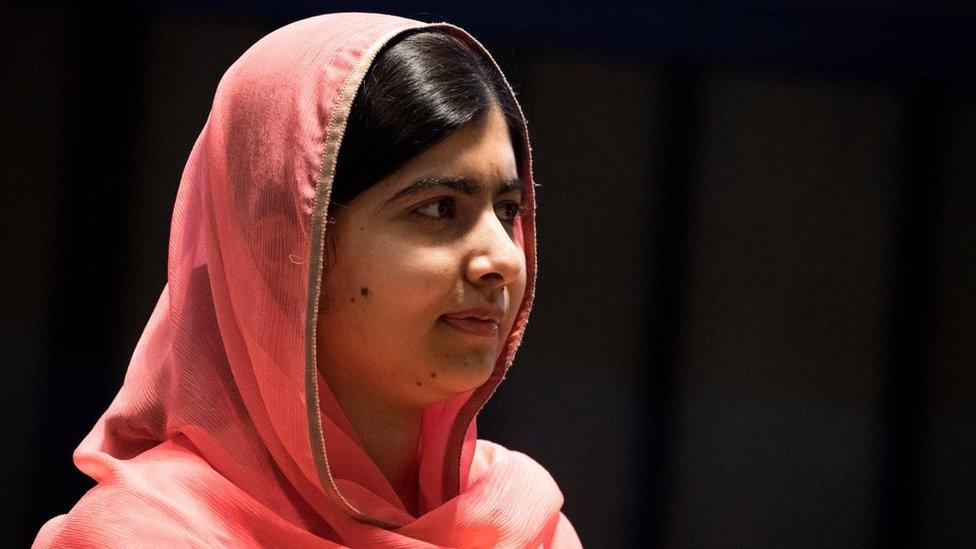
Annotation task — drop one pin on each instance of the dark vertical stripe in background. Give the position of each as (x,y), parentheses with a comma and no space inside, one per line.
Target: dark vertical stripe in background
(668,288)
(910,335)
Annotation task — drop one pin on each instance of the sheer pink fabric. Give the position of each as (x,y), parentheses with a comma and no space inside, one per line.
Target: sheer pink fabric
(224,433)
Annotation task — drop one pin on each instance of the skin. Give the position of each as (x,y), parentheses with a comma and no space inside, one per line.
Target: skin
(383,346)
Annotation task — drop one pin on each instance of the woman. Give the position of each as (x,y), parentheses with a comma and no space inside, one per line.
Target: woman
(351,267)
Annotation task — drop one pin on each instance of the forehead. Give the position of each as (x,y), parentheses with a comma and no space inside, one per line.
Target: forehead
(477,158)
(482,146)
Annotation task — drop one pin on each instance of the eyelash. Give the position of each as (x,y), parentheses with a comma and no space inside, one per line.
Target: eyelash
(519,210)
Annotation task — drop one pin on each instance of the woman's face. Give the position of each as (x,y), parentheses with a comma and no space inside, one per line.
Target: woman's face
(428,275)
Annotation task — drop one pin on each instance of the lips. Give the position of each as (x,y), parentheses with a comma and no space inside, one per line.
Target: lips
(479,322)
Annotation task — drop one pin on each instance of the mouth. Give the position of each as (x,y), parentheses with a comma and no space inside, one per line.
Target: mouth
(477,322)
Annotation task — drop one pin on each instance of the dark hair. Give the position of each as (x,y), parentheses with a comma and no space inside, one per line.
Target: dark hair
(418,91)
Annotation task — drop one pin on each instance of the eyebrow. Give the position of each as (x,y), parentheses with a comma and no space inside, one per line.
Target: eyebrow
(465,185)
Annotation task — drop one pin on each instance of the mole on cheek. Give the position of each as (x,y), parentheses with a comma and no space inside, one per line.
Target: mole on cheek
(433,375)
(364,291)
(418,383)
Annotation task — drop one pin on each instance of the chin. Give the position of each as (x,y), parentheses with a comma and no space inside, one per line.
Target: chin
(467,374)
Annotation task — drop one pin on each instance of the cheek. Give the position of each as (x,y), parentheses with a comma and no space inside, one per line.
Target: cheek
(517,293)
(404,281)
(518,289)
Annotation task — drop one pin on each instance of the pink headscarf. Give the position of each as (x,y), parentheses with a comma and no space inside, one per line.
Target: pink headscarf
(224,432)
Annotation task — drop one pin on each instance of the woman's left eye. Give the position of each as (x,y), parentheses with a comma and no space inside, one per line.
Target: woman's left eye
(509,212)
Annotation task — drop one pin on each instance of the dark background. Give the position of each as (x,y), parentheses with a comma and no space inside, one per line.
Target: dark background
(757,290)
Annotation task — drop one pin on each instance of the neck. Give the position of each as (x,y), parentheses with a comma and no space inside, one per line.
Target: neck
(390,436)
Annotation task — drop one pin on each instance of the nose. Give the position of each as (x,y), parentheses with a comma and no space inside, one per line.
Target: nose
(495,259)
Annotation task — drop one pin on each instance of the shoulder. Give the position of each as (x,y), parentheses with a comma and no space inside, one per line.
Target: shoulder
(498,466)
(165,497)
(511,471)
(491,455)
(115,515)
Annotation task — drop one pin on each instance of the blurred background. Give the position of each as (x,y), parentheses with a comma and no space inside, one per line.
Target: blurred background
(756,316)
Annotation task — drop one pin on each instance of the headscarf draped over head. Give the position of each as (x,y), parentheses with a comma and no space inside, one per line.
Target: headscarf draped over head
(224,432)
